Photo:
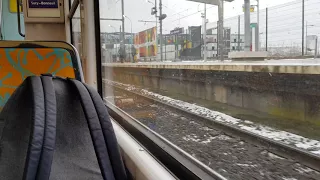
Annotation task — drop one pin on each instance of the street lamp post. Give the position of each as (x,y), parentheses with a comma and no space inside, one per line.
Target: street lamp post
(247,41)
(258,26)
(156,16)
(115,31)
(123,31)
(131,34)
(302,28)
(205,33)
(161,18)
(221,30)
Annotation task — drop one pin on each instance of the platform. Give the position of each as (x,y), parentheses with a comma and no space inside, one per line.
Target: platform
(291,66)
(248,55)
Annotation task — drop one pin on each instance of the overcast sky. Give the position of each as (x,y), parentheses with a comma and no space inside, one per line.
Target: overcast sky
(284,17)
(177,10)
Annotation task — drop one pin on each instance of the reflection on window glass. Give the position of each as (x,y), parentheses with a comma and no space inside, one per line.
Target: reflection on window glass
(77,30)
(260,79)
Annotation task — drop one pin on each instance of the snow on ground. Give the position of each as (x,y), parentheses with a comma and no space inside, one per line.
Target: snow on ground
(191,137)
(284,178)
(206,129)
(273,156)
(305,170)
(247,165)
(209,138)
(316,152)
(288,138)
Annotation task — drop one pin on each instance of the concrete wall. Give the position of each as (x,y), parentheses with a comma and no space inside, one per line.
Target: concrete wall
(292,96)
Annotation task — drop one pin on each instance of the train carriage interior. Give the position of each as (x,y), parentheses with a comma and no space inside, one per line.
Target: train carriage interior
(159,89)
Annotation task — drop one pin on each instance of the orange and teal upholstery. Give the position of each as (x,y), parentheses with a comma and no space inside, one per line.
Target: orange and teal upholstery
(20,59)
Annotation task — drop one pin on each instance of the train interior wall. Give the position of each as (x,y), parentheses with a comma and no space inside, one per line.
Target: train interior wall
(9,21)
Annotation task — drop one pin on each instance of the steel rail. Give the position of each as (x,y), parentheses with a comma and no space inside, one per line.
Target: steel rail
(276,147)
(178,162)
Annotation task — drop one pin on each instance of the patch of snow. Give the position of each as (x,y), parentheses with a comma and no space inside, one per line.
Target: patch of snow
(192,122)
(288,138)
(153,105)
(274,156)
(283,136)
(246,165)
(223,137)
(304,170)
(206,129)
(316,152)
(261,173)
(285,178)
(248,122)
(208,140)
(307,145)
(192,137)
(174,114)
(223,170)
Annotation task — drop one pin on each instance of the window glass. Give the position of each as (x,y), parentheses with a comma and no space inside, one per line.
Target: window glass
(261,80)
(77,24)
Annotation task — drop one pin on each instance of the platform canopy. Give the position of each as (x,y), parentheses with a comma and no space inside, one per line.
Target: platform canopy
(213,2)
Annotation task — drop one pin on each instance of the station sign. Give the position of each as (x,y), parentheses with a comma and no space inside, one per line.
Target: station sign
(44,11)
(253,25)
(177,31)
(43,4)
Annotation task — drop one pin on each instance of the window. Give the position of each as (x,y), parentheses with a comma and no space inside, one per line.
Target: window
(279,100)
(77,31)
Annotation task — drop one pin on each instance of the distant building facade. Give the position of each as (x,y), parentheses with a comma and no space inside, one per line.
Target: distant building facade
(232,42)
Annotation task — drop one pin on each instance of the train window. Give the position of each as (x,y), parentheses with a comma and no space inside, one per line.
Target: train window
(77,30)
(252,114)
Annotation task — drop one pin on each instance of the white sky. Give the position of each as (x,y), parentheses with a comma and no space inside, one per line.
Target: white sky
(175,9)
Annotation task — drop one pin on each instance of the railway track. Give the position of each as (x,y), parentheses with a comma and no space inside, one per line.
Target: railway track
(217,144)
